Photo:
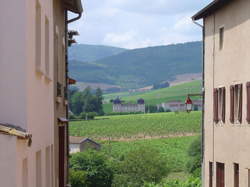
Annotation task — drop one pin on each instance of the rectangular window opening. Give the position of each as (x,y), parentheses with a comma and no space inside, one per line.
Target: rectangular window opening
(236,103)
(220,175)
(38,169)
(221,33)
(236,175)
(47,45)
(210,174)
(38,40)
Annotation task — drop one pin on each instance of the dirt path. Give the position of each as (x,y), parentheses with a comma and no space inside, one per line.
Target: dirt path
(145,137)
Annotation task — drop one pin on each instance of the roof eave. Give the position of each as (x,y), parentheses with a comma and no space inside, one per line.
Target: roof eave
(209,9)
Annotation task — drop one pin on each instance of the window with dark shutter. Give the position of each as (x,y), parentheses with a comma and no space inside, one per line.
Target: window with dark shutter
(216,119)
(210,174)
(232,104)
(240,104)
(248,102)
(220,175)
(224,104)
(236,175)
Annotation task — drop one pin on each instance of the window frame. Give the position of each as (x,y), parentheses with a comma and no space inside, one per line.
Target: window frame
(221,37)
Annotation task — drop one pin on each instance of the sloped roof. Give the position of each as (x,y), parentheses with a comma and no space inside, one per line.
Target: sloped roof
(73,5)
(211,8)
(79,140)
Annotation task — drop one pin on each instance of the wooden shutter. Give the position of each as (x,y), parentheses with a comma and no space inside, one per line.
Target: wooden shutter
(220,175)
(224,104)
(236,175)
(240,103)
(248,102)
(232,104)
(216,117)
(210,174)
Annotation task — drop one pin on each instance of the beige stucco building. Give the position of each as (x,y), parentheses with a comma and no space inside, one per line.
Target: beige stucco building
(226,160)
(33,103)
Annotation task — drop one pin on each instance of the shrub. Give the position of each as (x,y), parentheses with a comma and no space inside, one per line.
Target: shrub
(194,163)
(142,165)
(94,164)
(87,115)
(77,178)
(191,182)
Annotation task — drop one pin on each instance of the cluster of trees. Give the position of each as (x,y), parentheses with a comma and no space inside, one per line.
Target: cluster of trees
(141,167)
(86,102)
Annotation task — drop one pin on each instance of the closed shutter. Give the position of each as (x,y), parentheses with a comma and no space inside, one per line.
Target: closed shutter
(216,117)
(248,102)
(240,104)
(224,104)
(232,104)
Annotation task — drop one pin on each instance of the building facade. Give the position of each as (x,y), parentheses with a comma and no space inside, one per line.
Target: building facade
(119,107)
(226,28)
(33,104)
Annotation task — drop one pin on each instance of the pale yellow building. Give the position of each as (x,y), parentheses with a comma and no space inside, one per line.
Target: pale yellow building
(33,84)
(226,132)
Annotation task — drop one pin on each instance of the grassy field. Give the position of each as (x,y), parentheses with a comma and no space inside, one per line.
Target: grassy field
(174,150)
(141,125)
(178,92)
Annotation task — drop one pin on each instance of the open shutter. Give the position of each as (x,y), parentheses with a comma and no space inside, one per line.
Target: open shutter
(224,104)
(240,104)
(216,117)
(232,104)
(248,102)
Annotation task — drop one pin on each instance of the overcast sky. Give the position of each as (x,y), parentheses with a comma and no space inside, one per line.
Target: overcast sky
(138,23)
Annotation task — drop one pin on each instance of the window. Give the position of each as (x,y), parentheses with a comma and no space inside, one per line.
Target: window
(248,102)
(236,175)
(220,175)
(25,173)
(210,174)
(38,169)
(219,104)
(38,40)
(47,45)
(236,103)
(221,37)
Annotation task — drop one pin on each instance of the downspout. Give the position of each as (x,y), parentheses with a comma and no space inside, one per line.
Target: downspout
(66,80)
(203,97)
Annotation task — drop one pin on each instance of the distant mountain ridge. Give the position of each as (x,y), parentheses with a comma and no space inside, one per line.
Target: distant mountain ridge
(89,53)
(138,67)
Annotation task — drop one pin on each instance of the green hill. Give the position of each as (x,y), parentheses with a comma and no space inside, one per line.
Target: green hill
(178,92)
(139,67)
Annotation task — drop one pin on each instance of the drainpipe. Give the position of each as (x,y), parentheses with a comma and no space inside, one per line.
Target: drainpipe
(203,95)
(66,80)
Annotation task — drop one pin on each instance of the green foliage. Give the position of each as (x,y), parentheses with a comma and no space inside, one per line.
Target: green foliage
(77,178)
(86,102)
(87,115)
(191,182)
(142,165)
(158,124)
(161,109)
(139,67)
(95,167)
(161,85)
(151,109)
(194,163)
(173,150)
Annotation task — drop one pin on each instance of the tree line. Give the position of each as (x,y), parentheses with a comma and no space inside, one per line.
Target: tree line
(85,103)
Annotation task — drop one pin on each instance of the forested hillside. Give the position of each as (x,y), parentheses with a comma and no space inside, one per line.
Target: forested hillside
(140,67)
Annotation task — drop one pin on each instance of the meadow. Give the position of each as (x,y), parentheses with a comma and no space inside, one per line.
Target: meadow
(138,126)
(174,150)
(153,97)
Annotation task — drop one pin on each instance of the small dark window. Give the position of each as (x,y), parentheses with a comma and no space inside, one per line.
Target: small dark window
(210,174)
(220,175)
(221,37)
(236,175)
